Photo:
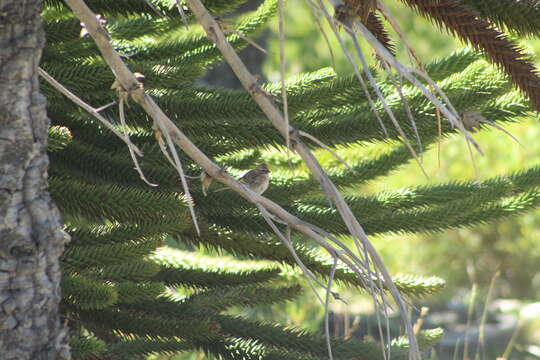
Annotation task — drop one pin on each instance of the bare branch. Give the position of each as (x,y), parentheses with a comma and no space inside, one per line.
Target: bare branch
(325,147)
(182,13)
(153,7)
(131,153)
(281,30)
(88,108)
(327,309)
(286,240)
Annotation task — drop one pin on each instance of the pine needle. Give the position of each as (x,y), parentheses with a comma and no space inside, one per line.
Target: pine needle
(326,39)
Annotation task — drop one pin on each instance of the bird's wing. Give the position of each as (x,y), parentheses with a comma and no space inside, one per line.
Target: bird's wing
(249,177)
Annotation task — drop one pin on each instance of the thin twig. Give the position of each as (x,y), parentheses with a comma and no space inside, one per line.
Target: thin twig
(325,147)
(327,310)
(179,168)
(131,153)
(287,242)
(326,39)
(471,271)
(281,15)
(512,341)
(153,7)
(399,87)
(500,128)
(395,25)
(88,108)
(106,106)
(162,146)
(182,14)
(227,28)
(469,320)
(482,327)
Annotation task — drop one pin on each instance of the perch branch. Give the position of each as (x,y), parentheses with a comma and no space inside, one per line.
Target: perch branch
(94,112)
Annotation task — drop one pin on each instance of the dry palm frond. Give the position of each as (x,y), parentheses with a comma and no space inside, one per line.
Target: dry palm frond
(355,10)
(375,25)
(364,11)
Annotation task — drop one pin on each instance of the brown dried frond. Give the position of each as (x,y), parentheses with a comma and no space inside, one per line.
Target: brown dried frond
(376,26)
(364,11)
(467,25)
(354,10)
(361,8)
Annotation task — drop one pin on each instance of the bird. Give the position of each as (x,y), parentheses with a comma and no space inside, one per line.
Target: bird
(257,180)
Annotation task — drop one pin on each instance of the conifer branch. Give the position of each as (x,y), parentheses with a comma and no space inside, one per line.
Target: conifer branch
(375,25)
(519,16)
(464,23)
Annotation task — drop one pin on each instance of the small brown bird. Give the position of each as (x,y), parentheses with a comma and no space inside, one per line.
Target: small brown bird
(256,180)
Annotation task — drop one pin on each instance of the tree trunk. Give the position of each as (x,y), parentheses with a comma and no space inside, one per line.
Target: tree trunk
(31,235)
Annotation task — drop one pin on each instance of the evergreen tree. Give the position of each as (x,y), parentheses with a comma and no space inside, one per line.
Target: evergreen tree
(116,285)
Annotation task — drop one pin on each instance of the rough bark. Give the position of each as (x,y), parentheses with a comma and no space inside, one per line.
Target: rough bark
(31,236)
